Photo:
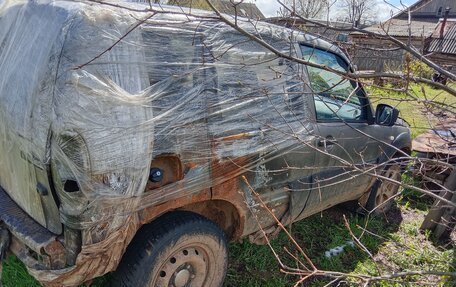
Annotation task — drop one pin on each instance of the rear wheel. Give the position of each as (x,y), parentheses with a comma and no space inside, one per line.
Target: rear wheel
(387,189)
(180,249)
(379,200)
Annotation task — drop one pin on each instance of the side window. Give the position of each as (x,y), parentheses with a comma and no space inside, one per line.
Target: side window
(335,97)
(179,55)
(248,72)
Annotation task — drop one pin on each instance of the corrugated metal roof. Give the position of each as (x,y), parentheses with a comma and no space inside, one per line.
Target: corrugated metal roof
(428,9)
(242,9)
(446,44)
(400,28)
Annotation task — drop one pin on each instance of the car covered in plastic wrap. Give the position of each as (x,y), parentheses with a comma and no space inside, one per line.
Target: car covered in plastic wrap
(142,138)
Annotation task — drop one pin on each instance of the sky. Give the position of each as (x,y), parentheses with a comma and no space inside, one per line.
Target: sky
(270,7)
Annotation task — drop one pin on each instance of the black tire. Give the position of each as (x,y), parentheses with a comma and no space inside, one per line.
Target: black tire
(178,249)
(380,198)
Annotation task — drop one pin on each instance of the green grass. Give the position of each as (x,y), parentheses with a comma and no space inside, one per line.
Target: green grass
(415,108)
(397,246)
(15,274)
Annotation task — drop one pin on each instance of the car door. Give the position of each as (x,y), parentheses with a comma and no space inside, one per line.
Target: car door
(261,122)
(343,146)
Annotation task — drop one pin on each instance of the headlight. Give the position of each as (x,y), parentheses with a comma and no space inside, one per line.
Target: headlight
(70,171)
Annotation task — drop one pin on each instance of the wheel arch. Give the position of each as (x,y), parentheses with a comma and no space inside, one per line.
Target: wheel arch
(221,212)
(399,148)
(225,214)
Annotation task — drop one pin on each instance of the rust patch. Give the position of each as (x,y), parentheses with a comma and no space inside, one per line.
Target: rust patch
(440,140)
(146,215)
(223,213)
(94,260)
(238,136)
(229,189)
(57,255)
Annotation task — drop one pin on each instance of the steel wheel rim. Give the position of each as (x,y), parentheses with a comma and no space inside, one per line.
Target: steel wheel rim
(187,266)
(388,189)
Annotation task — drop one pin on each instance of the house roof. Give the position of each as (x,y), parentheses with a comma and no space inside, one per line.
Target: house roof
(428,10)
(447,43)
(299,21)
(230,7)
(249,10)
(400,28)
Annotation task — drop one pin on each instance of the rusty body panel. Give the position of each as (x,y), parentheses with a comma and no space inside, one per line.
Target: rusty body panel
(435,168)
(231,190)
(440,140)
(148,214)
(435,146)
(94,260)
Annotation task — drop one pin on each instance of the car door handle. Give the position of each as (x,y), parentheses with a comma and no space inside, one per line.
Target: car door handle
(329,140)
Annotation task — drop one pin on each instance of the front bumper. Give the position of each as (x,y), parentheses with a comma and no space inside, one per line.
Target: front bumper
(33,244)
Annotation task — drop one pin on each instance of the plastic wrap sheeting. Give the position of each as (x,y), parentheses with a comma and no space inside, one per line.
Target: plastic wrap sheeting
(84,95)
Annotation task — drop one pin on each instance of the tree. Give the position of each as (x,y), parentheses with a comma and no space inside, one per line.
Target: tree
(306,8)
(357,10)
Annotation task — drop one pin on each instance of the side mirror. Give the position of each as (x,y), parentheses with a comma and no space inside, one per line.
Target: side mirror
(386,115)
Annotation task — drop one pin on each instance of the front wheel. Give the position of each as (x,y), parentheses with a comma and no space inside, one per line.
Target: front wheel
(180,249)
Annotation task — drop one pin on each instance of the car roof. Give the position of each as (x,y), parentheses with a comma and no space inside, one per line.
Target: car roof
(301,37)
(175,13)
